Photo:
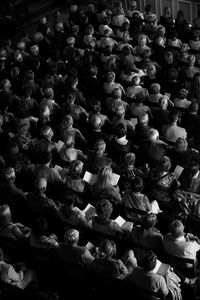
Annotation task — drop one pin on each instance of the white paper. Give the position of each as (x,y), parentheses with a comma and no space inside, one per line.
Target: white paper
(60,144)
(128,226)
(89,211)
(91,178)
(89,246)
(177,171)
(120,221)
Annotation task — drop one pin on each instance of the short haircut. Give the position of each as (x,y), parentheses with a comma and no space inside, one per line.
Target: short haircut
(176,228)
(173,117)
(137,184)
(104,209)
(107,248)
(149,261)
(149,221)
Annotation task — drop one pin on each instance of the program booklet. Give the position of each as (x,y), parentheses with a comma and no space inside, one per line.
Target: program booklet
(125,225)
(89,211)
(92,178)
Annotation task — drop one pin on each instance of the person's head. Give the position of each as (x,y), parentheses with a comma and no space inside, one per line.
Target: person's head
(69,141)
(149,261)
(76,168)
(44,113)
(153,135)
(23,128)
(126,37)
(151,70)
(183,93)
(168,57)
(38,37)
(21,46)
(104,209)
(40,226)
(155,88)
(104,176)
(107,249)
(160,41)
(163,103)
(59,27)
(8,175)
(96,122)
(148,8)
(195,33)
(191,59)
(135,80)
(12,149)
(100,146)
(164,164)
(34,50)
(167,12)
(46,132)
(173,117)
(137,185)
(149,221)
(5,84)
(27,91)
(142,40)
(172,74)
(96,106)
(194,108)
(67,121)
(70,97)
(173,35)
(40,185)
(146,53)
(181,144)
(194,166)
(176,229)
(18,57)
(43,20)
(184,48)
(29,75)
(45,157)
(71,237)
(48,93)
(129,160)
(5,215)
(143,119)
(116,93)
(140,97)
(111,76)
(93,70)
(120,131)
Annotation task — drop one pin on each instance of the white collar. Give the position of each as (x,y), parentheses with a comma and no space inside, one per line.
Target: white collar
(122,140)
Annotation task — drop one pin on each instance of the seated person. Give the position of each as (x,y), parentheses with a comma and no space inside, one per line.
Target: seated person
(71,252)
(103,222)
(97,158)
(181,244)
(11,230)
(171,132)
(103,187)
(133,198)
(69,213)
(39,237)
(68,153)
(105,263)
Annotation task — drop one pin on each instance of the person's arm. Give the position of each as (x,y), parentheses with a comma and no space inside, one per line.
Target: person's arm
(163,286)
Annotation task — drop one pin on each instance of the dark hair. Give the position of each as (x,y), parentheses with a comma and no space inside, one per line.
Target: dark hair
(120,130)
(149,221)
(107,248)
(173,116)
(104,209)
(149,261)
(147,8)
(137,184)
(176,228)
(40,226)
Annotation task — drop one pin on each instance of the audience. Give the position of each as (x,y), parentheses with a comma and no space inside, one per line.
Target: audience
(116,94)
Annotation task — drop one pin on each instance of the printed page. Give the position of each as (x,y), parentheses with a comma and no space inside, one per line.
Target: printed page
(90,178)
(89,211)
(120,221)
(177,171)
